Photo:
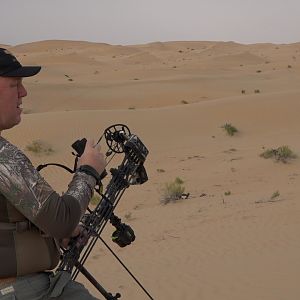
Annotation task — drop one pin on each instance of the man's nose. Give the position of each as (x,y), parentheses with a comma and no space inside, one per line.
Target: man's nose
(22,91)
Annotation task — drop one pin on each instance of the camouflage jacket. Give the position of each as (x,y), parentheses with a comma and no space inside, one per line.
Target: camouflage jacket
(25,195)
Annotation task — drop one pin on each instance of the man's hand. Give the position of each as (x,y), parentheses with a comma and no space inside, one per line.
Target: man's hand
(79,234)
(92,157)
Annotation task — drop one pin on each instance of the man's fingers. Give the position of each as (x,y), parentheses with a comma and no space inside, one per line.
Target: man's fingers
(91,143)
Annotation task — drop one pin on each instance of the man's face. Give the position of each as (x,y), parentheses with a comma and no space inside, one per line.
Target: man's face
(11,93)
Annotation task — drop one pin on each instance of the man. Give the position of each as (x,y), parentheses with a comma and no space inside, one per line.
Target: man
(33,217)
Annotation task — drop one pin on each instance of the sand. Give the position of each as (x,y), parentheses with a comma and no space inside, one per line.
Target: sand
(237,235)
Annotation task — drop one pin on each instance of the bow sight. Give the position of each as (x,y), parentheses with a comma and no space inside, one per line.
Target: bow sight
(131,171)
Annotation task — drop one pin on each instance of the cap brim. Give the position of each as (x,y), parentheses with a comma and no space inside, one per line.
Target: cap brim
(26,71)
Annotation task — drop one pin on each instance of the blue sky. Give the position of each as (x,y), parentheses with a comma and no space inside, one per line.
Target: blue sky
(139,21)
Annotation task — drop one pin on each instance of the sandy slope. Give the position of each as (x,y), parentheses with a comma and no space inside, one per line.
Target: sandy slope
(210,246)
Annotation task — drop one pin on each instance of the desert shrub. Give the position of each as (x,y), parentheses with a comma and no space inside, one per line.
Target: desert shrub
(128,216)
(228,193)
(257,91)
(173,191)
(243,92)
(282,153)
(160,170)
(275,195)
(39,147)
(184,102)
(268,153)
(231,130)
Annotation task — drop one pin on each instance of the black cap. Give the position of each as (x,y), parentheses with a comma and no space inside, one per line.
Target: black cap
(10,67)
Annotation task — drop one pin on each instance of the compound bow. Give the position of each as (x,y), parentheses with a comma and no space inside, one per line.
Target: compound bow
(130,172)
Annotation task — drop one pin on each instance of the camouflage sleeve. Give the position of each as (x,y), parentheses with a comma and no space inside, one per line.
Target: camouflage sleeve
(27,190)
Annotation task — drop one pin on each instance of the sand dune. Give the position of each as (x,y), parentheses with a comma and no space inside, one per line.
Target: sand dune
(145,76)
(232,239)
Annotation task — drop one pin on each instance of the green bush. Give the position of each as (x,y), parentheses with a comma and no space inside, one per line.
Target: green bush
(282,153)
(173,191)
(231,130)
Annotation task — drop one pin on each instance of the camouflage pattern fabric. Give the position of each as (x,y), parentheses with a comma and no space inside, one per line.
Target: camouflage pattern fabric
(25,195)
(26,189)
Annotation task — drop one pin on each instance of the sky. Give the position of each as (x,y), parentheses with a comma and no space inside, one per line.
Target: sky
(126,22)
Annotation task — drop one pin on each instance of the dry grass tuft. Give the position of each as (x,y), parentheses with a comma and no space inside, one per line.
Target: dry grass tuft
(173,191)
(39,147)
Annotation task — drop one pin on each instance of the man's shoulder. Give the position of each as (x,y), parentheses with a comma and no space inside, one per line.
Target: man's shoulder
(20,182)
(5,145)
(11,153)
